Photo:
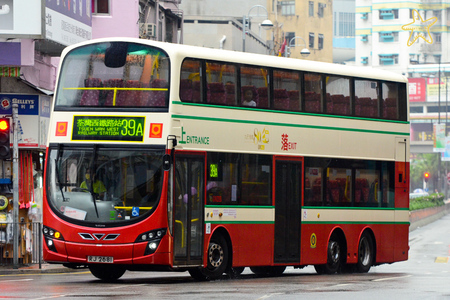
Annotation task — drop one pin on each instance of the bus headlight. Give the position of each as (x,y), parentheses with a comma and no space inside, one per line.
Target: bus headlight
(151,247)
(151,235)
(153,238)
(51,234)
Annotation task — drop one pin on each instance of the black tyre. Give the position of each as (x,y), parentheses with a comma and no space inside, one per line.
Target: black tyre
(107,273)
(334,257)
(217,260)
(276,271)
(268,271)
(365,253)
(197,274)
(236,271)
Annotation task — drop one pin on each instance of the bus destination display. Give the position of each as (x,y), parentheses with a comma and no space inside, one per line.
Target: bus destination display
(115,128)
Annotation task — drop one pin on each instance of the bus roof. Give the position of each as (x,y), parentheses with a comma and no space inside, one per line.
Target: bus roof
(179,50)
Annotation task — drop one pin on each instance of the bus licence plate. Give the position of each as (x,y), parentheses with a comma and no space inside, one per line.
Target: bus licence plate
(101,259)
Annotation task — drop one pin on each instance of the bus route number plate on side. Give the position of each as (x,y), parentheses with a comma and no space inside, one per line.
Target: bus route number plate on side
(101,259)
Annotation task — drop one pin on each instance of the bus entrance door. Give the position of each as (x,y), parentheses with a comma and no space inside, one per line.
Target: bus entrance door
(288,196)
(188,209)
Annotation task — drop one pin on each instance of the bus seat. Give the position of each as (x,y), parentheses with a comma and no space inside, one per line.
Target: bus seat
(341,104)
(144,95)
(390,108)
(281,99)
(317,191)
(217,91)
(329,103)
(263,95)
(362,107)
(115,82)
(230,90)
(91,97)
(333,191)
(186,90)
(373,108)
(158,98)
(197,92)
(130,97)
(341,183)
(361,190)
(312,102)
(294,100)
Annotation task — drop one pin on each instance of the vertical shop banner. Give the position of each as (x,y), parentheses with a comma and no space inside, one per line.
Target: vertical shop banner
(439,137)
(44,120)
(446,153)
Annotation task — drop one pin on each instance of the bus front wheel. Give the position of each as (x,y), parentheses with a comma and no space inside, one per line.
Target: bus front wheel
(365,253)
(107,273)
(217,260)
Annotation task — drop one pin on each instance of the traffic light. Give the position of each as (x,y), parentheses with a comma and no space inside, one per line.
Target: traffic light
(426,176)
(5,149)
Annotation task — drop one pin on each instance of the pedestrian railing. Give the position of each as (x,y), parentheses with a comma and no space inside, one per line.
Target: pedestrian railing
(29,246)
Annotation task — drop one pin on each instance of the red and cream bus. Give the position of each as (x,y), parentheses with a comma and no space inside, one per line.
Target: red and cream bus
(156,162)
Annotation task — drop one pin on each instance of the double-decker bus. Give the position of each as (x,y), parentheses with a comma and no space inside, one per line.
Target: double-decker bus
(172,157)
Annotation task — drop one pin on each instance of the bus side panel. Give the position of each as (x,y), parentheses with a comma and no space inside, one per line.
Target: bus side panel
(384,242)
(401,185)
(313,245)
(401,246)
(252,243)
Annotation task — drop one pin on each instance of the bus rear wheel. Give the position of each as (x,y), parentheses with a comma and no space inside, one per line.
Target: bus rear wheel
(217,260)
(107,273)
(365,253)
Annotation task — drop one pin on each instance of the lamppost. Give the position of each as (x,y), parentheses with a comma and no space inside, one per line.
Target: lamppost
(266,24)
(305,51)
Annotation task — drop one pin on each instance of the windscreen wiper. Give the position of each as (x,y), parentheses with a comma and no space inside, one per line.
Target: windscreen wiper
(57,171)
(91,186)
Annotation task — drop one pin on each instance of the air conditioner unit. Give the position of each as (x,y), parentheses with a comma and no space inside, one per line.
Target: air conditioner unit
(151,29)
(147,30)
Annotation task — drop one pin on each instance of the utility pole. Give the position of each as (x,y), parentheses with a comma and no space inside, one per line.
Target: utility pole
(16,232)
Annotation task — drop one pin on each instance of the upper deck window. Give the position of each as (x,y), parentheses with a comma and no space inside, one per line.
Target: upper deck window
(114,74)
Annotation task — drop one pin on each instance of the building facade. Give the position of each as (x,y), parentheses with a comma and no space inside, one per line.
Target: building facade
(303,24)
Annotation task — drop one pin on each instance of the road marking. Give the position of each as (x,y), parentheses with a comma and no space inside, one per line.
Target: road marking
(441,260)
(390,278)
(270,295)
(3,281)
(51,297)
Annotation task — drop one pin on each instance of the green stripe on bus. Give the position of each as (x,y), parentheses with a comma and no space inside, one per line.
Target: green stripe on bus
(290,112)
(287,125)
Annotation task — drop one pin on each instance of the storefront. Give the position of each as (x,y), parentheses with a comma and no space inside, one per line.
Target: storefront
(33,120)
